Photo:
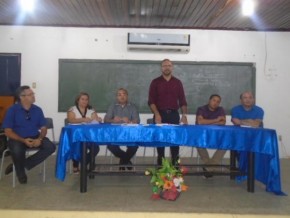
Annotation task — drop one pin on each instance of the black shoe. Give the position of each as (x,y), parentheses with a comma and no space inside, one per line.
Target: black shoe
(175,164)
(9,169)
(122,168)
(121,163)
(22,180)
(207,174)
(159,161)
(175,161)
(129,167)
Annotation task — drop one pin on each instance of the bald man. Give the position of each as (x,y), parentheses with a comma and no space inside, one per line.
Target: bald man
(247,113)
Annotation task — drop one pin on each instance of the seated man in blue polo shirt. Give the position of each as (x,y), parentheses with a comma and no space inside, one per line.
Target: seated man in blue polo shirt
(247,113)
(25,126)
(123,112)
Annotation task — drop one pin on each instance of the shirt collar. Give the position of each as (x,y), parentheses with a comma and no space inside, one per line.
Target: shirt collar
(128,103)
(19,106)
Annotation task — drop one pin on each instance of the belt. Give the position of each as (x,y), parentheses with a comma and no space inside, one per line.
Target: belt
(168,111)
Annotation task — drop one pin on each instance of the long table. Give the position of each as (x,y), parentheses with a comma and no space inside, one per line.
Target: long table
(260,144)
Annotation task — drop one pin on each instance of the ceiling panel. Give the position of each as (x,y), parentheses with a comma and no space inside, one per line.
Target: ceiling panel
(271,15)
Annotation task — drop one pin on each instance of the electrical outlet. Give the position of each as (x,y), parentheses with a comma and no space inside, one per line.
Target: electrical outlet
(280,138)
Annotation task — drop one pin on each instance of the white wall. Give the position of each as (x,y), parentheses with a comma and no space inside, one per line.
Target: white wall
(41,47)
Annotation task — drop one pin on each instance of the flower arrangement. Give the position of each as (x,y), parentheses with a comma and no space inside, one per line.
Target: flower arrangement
(167,181)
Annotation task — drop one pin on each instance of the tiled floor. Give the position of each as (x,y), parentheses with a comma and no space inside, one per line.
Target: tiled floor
(132,194)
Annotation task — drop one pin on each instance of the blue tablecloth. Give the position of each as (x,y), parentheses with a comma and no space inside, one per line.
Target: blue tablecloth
(259,140)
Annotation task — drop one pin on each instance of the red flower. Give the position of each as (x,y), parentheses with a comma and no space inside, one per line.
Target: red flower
(184,170)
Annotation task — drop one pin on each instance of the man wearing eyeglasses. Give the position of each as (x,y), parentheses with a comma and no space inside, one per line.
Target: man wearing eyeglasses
(166,96)
(25,126)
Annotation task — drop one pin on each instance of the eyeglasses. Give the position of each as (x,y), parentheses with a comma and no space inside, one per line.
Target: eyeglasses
(27,116)
(30,94)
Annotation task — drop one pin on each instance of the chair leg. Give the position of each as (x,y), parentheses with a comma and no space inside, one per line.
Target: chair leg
(1,167)
(70,167)
(14,172)
(69,163)
(44,171)
(106,152)
(2,162)
(154,156)
(13,177)
(111,160)
(197,156)
(144,152)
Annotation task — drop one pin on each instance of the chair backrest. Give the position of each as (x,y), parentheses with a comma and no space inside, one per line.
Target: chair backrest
(65,122)
(49,125)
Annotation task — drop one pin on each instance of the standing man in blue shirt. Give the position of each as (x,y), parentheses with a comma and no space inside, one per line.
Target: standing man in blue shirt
(25,126)
(247,113)
(122,112)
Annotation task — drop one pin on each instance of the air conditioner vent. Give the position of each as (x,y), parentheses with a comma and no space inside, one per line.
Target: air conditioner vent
(159,42)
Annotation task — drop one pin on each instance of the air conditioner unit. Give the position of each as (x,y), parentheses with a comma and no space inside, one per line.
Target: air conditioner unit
(159,42)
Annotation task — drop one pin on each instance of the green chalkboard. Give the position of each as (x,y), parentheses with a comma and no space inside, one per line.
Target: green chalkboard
(102,78)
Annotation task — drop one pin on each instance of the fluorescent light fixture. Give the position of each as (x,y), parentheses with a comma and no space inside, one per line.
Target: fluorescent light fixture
(248,7)
(27,5)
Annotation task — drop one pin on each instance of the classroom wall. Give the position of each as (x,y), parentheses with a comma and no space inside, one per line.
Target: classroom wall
(41,47)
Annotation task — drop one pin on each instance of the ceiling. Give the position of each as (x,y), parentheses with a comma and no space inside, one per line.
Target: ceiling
(271,15)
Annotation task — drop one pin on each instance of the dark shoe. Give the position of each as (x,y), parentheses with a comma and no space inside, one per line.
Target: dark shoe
(22,180)
(175,161)
(175,164)
(129,167)
(207,174)
(121,163)
(159,161)
(9,169)
(76,170)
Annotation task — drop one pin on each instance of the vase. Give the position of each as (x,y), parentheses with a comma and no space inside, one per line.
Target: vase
(170,195)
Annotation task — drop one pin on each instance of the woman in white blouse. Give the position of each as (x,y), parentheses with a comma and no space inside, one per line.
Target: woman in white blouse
(82,112)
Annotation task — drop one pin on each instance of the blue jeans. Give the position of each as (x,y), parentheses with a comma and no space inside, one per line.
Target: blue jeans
(18,150)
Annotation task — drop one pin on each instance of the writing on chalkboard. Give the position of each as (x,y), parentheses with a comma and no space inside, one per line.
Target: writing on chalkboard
(102,78)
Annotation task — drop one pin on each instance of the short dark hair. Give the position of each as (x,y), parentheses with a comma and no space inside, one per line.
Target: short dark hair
(123,89)
(166,59)
(215,95)
(19,91)
(79,96)
(242,94)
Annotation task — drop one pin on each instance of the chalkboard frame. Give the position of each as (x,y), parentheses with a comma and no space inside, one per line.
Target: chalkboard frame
(68,88)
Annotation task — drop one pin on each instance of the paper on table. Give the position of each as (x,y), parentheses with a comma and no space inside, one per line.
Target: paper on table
(130,124)
(83,123)
(161,124)
(246,126)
